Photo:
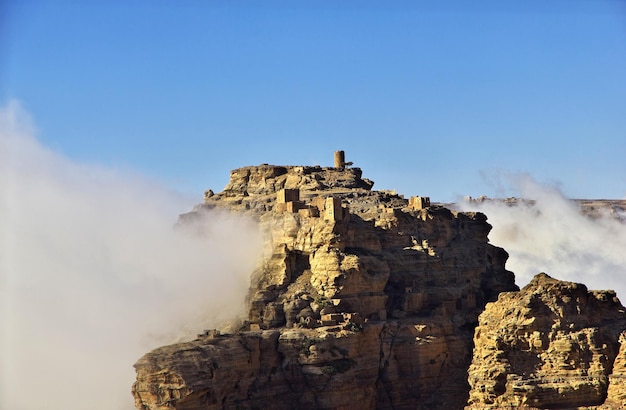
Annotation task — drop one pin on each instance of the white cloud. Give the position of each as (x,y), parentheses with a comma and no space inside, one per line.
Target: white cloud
(93,274)
(552,236)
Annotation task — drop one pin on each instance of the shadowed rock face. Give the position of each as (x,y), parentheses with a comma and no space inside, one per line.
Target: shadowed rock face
(553,344)
(358,302)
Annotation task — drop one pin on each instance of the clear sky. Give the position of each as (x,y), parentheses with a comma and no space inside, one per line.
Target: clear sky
(436,98)
(429,98)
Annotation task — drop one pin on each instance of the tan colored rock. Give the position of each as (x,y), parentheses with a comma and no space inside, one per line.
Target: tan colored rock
(364,303)
(617,380)
(551,345)
(365,300)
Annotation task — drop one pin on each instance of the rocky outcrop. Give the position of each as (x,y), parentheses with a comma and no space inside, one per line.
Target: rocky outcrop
(616,394)
(364,299)
(361,300)
(553,344)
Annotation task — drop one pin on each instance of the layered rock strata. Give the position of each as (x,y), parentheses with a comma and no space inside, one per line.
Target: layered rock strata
(363,299)
(554,344)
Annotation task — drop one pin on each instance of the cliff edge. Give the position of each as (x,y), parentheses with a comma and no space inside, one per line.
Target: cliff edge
(365,299)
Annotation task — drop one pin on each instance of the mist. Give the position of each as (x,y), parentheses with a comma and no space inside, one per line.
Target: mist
(93,273)
(552,236)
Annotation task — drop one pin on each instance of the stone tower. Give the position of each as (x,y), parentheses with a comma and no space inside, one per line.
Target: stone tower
(340,159)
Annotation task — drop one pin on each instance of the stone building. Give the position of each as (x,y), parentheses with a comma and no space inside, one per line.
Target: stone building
(288,200)
(419,202)
(333,210)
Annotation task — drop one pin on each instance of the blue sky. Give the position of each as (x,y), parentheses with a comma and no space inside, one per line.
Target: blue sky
(436,98)
(430,98)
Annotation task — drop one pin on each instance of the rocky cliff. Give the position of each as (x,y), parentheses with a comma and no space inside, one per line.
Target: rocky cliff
(554,344)
(365,299)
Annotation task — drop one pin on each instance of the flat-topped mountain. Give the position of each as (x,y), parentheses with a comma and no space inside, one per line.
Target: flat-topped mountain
(362,299)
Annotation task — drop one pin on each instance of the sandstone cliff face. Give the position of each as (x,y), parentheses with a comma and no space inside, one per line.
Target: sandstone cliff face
(554,344)
(360,301)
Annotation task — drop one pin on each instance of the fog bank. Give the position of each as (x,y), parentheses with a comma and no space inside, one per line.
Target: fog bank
(93,274)
(552,236)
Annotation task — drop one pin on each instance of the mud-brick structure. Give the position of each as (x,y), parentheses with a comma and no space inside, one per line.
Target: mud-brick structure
(288,200)
(287,195)
(419,202)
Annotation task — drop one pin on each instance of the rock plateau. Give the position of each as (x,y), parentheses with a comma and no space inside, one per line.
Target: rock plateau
(364,299)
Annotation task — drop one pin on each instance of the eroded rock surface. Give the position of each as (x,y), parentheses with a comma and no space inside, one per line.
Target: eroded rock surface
(362,300)
(553,344)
